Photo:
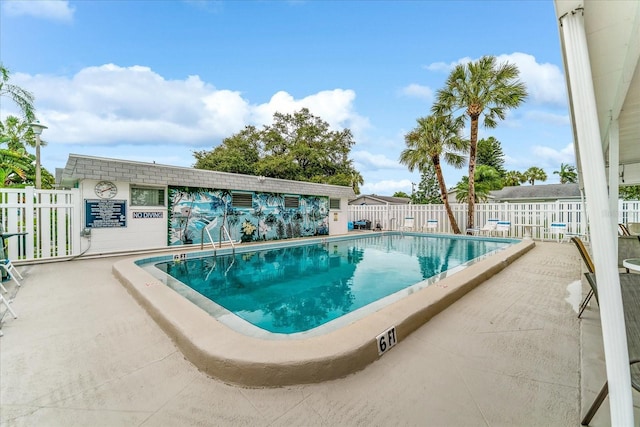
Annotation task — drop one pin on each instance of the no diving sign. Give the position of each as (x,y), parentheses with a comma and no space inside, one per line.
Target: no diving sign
(147,215)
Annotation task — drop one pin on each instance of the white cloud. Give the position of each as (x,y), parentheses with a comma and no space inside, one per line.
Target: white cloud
(367,161)
(545,82)
(444,67)
(110,104)
(55,10)
(554,157)
(386,187)
(333,106)
(548,117)
(418,91)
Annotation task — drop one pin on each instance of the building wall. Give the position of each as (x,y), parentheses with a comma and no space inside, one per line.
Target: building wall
(194,211)
(145,227)
(152,227)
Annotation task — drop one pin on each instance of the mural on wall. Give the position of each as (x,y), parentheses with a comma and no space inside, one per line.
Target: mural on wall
(197,213)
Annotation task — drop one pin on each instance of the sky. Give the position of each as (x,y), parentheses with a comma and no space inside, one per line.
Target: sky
(155,81)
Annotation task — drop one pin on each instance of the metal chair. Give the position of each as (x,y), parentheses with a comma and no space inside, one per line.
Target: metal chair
(408,224)
(432,224)
(503,227)
(11,271)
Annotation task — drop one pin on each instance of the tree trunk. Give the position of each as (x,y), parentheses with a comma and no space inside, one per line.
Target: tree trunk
(473,143)
(444,195)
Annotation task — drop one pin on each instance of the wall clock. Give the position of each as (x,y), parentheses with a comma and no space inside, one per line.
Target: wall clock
(106,189)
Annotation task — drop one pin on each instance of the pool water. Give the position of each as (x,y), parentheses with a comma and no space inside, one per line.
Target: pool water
(295,289)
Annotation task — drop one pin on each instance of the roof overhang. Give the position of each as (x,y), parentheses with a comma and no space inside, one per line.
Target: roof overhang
(613,40)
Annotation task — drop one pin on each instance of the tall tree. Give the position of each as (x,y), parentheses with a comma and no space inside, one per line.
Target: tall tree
(435,137)
(534,174)
(630,192)
(475,89)
(490,153)
(428,188)
(237,154)
(298,146)
(22,97)
(486,179)
(17,134)
(567,173)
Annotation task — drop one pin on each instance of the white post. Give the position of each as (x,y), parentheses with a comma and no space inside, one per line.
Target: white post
(587,130)
(614,160)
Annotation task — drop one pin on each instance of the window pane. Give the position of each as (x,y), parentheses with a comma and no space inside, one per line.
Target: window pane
(147,196)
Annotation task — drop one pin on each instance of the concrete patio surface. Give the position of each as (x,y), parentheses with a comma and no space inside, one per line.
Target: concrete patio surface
(83,353)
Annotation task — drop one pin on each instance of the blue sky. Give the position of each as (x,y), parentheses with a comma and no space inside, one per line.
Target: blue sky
(157,80)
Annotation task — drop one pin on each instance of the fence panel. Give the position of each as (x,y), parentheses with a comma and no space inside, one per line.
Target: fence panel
(536,217)
(51,219)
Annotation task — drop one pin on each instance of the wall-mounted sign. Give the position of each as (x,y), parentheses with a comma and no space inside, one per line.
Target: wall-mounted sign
(105,213)
(147,215)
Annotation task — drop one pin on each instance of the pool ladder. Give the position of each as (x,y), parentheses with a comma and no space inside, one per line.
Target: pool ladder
(213,243)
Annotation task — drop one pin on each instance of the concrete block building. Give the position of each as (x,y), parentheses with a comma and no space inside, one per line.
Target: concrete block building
(131,205)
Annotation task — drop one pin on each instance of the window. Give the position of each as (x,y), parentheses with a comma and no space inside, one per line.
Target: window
(291,201)
(141,196)
(334,203)
(241,200)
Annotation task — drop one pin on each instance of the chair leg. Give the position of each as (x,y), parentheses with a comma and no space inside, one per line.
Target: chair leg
(10,267)
(10,274)
(595,405)
(584,303)
(5,302)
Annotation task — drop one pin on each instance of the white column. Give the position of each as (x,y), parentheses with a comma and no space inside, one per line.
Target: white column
(604,244)
(614,170)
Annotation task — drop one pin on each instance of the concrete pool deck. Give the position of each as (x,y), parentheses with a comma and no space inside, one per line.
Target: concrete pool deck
(83,352)
(228,355)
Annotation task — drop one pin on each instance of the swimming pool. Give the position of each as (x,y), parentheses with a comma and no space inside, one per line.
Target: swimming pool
(207,336)
(292,290)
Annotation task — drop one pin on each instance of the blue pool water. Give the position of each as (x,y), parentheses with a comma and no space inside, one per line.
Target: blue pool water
(297,288)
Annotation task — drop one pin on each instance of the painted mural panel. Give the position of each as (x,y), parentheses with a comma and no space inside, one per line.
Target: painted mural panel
(197,214)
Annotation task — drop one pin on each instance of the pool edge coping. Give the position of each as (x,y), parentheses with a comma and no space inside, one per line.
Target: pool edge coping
(227,355)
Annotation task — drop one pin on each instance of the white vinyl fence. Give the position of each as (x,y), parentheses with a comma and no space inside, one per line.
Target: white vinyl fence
(537,216)
(53,219)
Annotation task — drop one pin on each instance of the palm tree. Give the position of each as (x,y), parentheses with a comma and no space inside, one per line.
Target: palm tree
(487,179)
(432,138)
(13,166)
(534,174)
(23,98)
(513,178)
(479,88)
(567,173)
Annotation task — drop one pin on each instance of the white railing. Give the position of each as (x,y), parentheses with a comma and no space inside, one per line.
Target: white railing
(53,219)
(538,215)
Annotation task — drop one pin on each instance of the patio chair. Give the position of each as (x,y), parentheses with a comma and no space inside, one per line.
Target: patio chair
(10,270)
(503,227)
(488,227)
(4,301)
(408,224)
(623,230)
(628,247)
(560,232)
(432,224)
(588,262)
(629,286)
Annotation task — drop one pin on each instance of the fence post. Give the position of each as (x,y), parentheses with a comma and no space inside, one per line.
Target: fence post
(29,223)
(76,222)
